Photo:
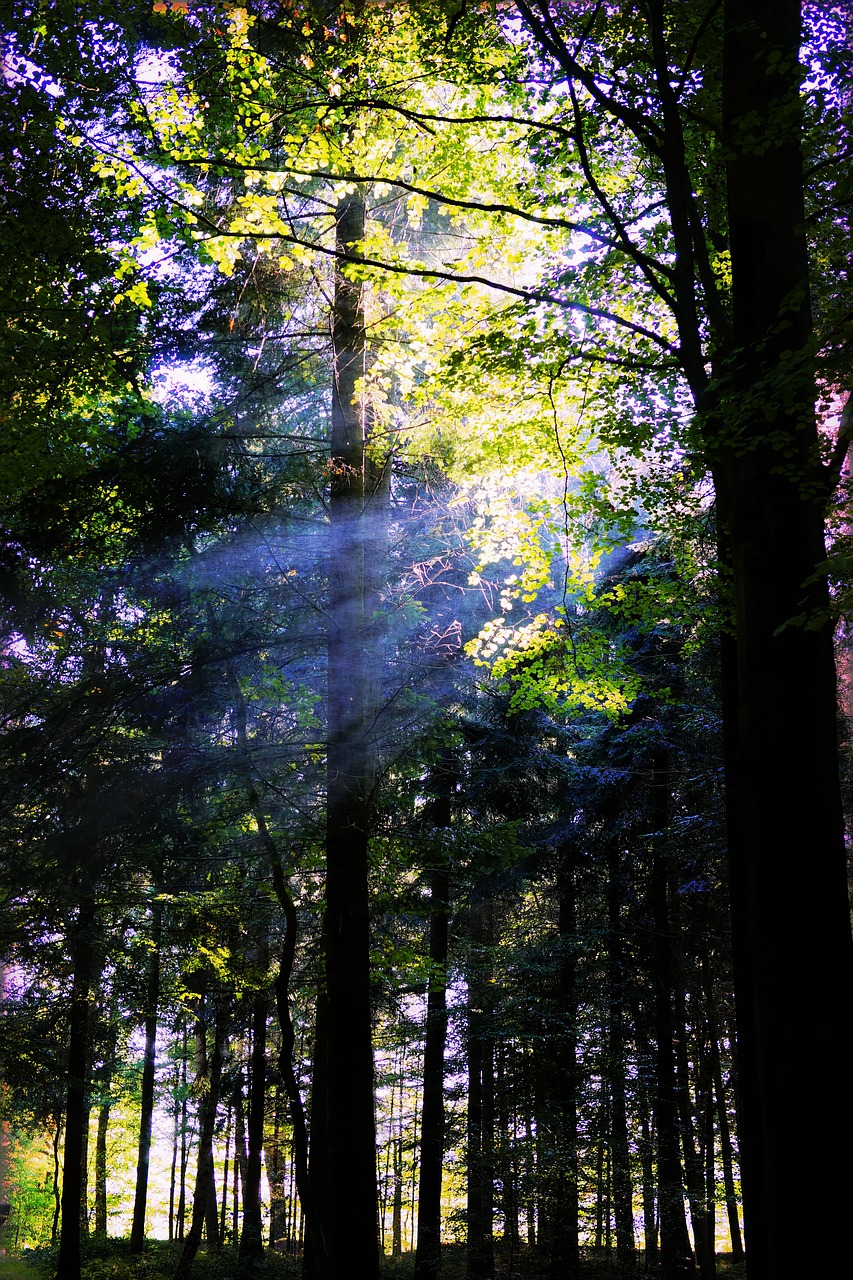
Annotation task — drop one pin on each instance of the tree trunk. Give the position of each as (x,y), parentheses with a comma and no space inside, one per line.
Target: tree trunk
(152,995)
(55,1181)
(726,1153)
(207,1120)
(397,1200)
(343,1155)
(223,1204)
(182,1190)
(505,1149)
(251,1240)
(676,1257)
(790,921)
(84,1156)
(563,1201)
(428,1251)
(703,1233)
(620,1156)
(480,1247)
(101,1171)
(68,1262)
(276,1174)
(241,1158)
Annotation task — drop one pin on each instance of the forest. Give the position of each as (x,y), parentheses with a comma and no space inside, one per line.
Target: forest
(427,684)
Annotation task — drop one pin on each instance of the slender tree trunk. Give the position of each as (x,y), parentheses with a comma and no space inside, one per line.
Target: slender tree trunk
(703,1236)
(317,1252)
(726,1153)
(206,1124)
(480,1051)
(55,1182)
(182,1191)
(397,1199)
(506,1155)
(104,1084)
(101,1171)
(790,920)
(600,1188)
(676,1257)
(428,1251)
(239,1166)
(531,1176)
(223,1204)
(650,1226)
(620,1156)
(84,1156)
(276,1173)
(251,1240)
(564,1205)
(68,1262)
(152,995)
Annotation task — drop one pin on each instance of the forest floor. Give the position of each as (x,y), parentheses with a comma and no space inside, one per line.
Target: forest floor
(113,1261)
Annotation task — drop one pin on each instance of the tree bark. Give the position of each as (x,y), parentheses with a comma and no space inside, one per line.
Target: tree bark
(726,1152)
(676,1258)
(202,1196)
(563,1202)
(792,947)
(101,1171)
(619,1148)
(703,1232)
(152,995)
(251,1239)
(343,1141)
(104,1081)
(68,1262)
(428,1251)
(480,1053)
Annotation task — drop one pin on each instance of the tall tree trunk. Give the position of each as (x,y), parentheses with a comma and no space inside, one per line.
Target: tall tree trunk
(207,1120)
(276,1173)
(55,1180)
(726,1153)
(428,1251)
(251,1240)
(480,1052)
(223,1204)
(703,1228)
(103,1085)
(152,995)
(84,1158)
(790,921)
(287,1066)
(620,1156)
(182,1190)
(563,1200)
(343,1157)
(397,1198)
(101,1170)
(506,1150)
(646,1144)
(68,1262)
(676,1257)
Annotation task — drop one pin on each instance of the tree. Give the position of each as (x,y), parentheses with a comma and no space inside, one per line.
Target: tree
(748,359)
